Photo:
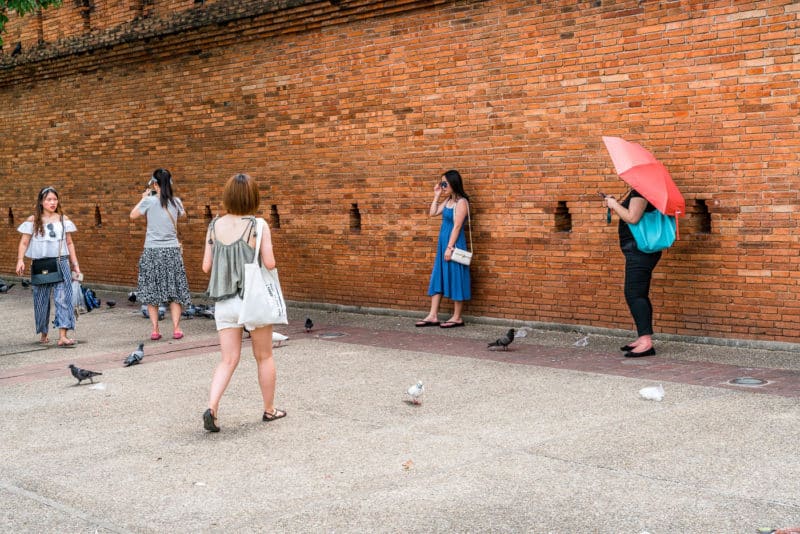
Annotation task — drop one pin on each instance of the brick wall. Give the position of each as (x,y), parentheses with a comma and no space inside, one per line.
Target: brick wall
(358,107)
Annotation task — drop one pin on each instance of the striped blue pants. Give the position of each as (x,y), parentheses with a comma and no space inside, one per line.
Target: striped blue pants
(62,296)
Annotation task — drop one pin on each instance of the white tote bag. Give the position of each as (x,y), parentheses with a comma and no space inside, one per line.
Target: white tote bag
(263,302)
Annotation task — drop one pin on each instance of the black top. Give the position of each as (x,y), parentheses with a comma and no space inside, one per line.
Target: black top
(625,235)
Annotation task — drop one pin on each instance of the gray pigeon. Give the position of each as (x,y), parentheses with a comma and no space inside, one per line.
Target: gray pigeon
(83,374)
(503,342)
(135,356)
(309,324)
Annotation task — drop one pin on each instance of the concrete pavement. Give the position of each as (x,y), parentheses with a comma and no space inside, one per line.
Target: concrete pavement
(547,437)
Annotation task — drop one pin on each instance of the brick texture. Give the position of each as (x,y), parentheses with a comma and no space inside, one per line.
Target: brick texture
(361,105)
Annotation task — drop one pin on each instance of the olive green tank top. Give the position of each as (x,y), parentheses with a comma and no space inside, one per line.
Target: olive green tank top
(227,265)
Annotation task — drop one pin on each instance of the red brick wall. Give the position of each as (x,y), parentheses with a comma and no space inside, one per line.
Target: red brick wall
(366,103)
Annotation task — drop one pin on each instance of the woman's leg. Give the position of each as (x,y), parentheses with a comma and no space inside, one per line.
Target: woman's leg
(262,351)
(152,311)
(458,308)
(638,274)
(230,341)
(65,312)
(41,310)
(175,310)
(433,315)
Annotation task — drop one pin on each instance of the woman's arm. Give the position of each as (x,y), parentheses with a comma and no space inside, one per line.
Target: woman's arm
(207,256)
(136,211)
(23,246)
(267,254)
(73,257)
(632,213)
(436,208)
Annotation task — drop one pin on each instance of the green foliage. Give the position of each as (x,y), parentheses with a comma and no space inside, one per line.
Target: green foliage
(21,8)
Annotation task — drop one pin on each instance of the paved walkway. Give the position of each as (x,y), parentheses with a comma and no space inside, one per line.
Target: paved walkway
(545,437)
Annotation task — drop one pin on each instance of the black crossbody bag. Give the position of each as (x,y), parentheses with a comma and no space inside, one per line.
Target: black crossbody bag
(45,270)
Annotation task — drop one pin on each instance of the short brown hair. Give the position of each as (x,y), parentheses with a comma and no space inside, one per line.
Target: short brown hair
(241,195)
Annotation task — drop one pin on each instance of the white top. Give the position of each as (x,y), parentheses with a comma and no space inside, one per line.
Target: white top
(47,245)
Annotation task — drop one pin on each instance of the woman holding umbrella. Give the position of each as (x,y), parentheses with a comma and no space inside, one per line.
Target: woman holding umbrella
(652,188)
(638,272)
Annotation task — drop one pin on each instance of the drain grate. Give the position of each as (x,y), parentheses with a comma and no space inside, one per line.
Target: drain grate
(747,381)
(331,335)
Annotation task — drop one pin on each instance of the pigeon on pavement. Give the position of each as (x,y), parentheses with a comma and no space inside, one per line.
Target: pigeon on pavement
(135,356)
(309,324)
(5,287)
(111,303)
(83,374)
(415,392)
(277,339)
(503,342)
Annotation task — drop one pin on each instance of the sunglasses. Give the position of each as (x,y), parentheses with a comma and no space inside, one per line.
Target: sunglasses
(52,231)
(46,190)
(443,185)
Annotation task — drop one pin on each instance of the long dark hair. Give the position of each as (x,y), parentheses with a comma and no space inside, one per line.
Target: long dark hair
(456,184)
(164,180)
(38,227)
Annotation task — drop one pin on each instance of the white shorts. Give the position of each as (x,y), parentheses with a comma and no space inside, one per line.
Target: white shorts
(226,314)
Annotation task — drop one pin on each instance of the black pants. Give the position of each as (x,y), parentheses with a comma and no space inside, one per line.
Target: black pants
(638,273)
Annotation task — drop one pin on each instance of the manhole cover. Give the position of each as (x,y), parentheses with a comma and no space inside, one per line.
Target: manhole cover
(330,335)
(747,381)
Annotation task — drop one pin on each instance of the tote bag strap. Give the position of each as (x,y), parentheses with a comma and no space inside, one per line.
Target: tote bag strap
(259,225)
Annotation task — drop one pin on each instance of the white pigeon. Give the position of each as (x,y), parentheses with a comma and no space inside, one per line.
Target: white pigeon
(277,339)
(655,393)
(415,392)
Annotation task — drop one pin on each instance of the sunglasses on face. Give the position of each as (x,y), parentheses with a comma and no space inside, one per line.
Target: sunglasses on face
(52,231)
(443,185)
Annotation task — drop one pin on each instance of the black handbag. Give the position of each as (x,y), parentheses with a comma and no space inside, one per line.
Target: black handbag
(45,271)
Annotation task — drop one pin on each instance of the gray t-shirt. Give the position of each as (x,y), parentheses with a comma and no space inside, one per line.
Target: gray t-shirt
(160,229)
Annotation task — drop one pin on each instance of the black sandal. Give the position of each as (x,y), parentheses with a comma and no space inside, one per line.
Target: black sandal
(209,421)
(276,414)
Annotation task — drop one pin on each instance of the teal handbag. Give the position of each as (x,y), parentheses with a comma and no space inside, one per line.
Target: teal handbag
(654,231)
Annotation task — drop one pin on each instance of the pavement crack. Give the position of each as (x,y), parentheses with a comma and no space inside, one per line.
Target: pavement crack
(61,507)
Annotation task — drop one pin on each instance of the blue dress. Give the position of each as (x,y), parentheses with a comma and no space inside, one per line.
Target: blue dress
(449,278)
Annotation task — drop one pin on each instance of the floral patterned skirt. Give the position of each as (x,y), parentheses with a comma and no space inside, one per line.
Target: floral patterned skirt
(162,277)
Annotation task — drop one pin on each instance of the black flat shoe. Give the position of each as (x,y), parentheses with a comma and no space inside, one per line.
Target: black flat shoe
(627,348)
(208,421)
(649,352)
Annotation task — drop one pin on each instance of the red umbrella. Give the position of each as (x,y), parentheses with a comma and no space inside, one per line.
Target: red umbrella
(643,172)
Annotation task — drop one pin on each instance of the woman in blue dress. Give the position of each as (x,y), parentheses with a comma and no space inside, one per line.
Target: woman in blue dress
(449,279)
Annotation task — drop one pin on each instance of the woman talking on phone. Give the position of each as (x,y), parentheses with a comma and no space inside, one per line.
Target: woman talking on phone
(162,275)
(448,278)
(638,271)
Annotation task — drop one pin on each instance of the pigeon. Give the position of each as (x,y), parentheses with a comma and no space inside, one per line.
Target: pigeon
(17,49)
(111,303)
(503,342)
(135,356)
(277,339)
(5,287)
(309,324)
(415,392)
(131,297)
(83,374)
(26,284)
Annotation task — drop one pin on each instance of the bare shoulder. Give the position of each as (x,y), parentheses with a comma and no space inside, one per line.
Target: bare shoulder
(29,219)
